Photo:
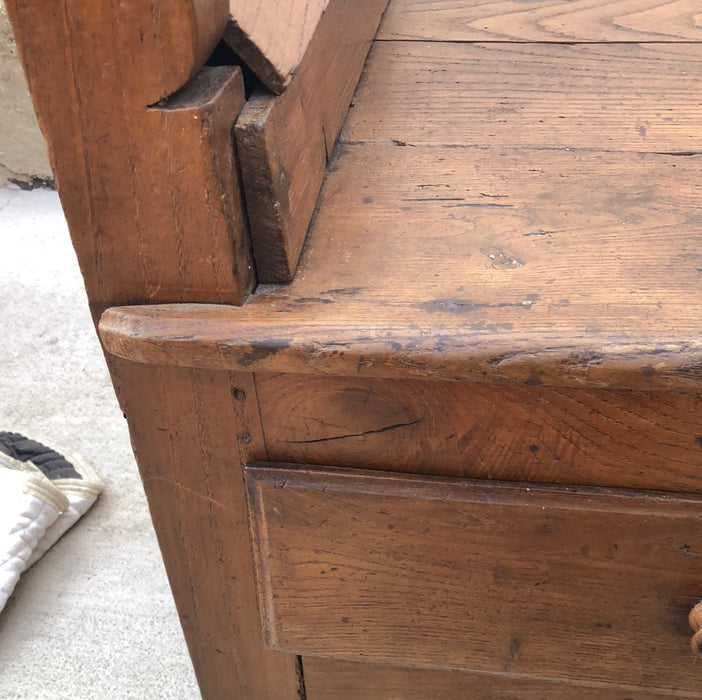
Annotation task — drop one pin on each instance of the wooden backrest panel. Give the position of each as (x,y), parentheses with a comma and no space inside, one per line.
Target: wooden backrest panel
(285,142)
(272,36)
(150,194)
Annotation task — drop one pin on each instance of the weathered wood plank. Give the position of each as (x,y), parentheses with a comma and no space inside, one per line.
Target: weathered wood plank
(285,142)
(191,433)
(614,97)
(465,263)
(272,36)
(472,430)
(537,581)
(545,20)
(98,74)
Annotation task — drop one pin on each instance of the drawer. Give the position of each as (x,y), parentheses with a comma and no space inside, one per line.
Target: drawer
(551,582)
(334,679)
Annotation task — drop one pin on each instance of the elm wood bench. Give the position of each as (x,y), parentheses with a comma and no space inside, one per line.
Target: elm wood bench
(491,344)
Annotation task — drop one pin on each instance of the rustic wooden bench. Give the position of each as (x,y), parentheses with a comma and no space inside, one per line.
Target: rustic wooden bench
(490,340)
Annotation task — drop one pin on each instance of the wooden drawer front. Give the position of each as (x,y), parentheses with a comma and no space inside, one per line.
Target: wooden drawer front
(335,679)
(573,583)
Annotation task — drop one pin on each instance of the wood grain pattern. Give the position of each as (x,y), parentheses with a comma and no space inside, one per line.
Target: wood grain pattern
(331,679)
(613,97)
(272,36)
(541,434)
(545,20)
(471,264)
(538,581)
(439,251)
(139,179)
(285,142)
(191,433)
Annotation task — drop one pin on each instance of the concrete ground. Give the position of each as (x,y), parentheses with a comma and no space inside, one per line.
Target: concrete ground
(22,150)
(94,618)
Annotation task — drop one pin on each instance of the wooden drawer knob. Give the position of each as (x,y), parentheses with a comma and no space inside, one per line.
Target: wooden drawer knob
(695,619)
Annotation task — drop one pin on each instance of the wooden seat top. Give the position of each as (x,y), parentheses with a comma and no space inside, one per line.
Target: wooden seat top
(516,196)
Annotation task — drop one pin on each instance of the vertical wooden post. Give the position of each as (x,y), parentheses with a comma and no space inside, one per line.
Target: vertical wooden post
(192,431)
(140,137)
(147,178)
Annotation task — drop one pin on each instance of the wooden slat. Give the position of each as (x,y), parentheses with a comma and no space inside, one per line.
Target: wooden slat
(621,97)
(332,679)
(272,36)
(151,194)
(545,20)
(191,433)
(559,268)
(285,142)
(543,582)
(550,435)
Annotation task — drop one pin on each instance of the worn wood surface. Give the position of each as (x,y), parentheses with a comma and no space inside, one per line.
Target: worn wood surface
(608,97)
(191,432)
(550,435)
(333,679)
(272,36)
(566,268)
(545,20)
(285,142)
(542,230)
(550,582)
(146,177)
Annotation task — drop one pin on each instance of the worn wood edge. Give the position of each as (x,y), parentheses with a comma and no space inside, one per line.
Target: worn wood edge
(435,488)
(265,222)
(258,533)
(212,337)
(206,107)
(277,233)
(213,82)
(238,41)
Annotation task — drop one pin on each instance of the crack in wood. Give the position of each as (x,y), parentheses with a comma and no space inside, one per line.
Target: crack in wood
(386,429)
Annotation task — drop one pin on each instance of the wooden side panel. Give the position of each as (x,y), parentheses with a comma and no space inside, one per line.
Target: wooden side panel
(285,142)
(547,20)
(191,432)
(272,36)
(537,581)
(545,434)
(332,679)
(152,200)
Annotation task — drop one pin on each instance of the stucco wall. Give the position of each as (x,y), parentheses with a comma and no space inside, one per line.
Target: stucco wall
(22,150)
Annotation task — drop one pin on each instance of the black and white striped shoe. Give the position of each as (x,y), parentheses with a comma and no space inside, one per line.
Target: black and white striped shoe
(43,493)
